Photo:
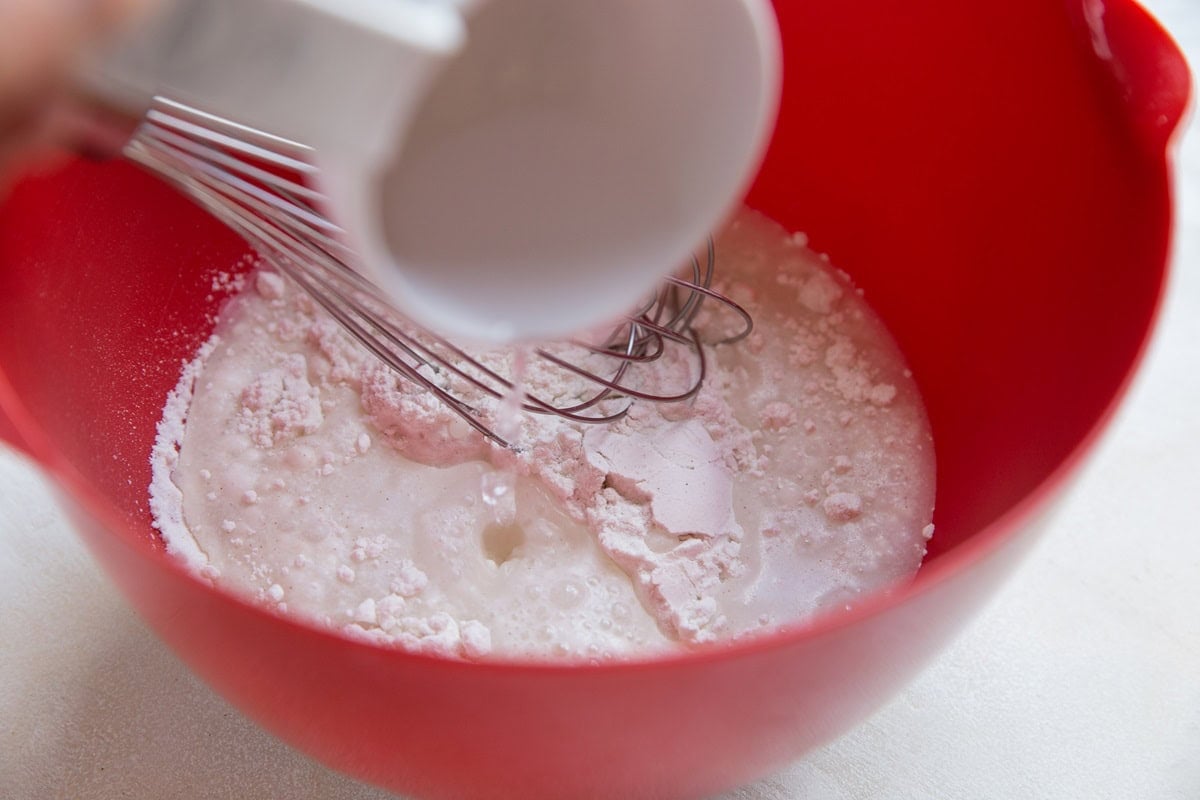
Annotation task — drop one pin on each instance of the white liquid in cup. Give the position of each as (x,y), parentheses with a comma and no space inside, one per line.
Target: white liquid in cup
(568,157)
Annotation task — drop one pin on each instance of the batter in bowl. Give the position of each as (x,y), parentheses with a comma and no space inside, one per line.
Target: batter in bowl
(293,469)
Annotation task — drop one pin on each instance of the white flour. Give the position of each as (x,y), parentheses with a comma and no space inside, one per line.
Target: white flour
(311,479)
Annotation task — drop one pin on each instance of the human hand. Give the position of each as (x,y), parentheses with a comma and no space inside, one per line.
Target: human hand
(41,42)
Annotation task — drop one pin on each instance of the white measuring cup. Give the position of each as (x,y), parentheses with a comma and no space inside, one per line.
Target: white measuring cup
(505,169)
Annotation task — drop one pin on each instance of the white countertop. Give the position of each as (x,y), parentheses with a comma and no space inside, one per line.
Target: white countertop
(1081,680)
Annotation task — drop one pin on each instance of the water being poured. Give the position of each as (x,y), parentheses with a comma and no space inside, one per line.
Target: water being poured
(498,487)
(507,422)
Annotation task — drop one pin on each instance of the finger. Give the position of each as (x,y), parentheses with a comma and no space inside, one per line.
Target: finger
(109,16)
(40,43)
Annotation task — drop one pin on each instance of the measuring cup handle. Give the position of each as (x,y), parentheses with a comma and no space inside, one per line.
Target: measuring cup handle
(1146,65)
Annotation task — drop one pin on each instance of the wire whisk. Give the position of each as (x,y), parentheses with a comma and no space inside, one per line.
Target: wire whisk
(262,186)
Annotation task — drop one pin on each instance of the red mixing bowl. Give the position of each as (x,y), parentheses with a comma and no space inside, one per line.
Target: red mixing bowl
(995,175)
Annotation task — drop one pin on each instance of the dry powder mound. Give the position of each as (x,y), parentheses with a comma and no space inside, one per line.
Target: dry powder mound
(294,469)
